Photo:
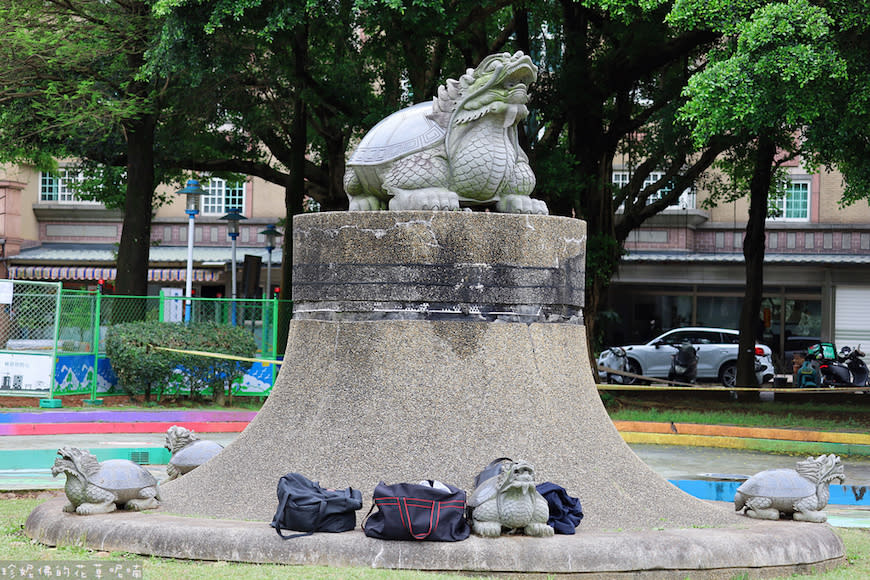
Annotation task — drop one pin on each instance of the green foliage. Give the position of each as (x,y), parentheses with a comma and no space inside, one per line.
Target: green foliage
(771,76)
(216,374)
(139,367)
(603,253)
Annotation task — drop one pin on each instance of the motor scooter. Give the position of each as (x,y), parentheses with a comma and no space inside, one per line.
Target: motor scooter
(684,363)
(847,369)
(613,358)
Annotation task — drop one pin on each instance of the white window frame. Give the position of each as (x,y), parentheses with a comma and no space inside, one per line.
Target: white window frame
(221,195)
(786,200)
(55,188)
(620,178)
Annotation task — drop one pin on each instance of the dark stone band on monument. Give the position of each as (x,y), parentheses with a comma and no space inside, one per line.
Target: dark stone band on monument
(465,312)
(418,265)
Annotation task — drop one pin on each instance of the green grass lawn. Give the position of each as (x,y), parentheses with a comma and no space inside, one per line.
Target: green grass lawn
(15,545)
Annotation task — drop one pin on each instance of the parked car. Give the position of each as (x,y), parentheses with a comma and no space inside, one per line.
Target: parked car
(717,355)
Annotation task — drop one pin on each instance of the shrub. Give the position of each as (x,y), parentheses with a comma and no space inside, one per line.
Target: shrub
(215,373)
(140,368)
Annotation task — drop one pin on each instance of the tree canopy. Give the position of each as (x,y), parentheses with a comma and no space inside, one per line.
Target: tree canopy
(281,89)
(769,81)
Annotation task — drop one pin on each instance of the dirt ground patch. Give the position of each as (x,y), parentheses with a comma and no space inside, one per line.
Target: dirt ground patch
(12,402)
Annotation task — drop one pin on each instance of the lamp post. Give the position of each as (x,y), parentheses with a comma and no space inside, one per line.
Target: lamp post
(233,217)
(192,191)
(271,233)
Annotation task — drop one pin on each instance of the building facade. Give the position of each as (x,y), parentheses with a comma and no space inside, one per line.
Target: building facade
(685,267)
(48,233)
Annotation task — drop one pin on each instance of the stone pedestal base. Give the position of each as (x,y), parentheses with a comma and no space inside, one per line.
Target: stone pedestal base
(423,346)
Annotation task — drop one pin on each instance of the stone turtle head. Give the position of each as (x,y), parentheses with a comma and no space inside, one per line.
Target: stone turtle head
(519,476)
(178,437)
(75,462)
(822,469)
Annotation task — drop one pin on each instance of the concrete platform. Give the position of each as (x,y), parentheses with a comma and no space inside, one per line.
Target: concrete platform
(751,548)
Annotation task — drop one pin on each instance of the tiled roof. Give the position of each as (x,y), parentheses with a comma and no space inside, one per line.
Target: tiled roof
(106,254)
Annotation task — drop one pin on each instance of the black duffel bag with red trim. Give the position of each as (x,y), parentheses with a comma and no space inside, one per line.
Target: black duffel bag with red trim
(430,510)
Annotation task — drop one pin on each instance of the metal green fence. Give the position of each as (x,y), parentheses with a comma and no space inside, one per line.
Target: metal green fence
(72,326)
(29,318)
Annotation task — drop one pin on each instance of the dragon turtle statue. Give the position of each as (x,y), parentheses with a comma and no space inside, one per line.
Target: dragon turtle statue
(510,500)
(188,451)
(93,487)
(802,493)
(459,150)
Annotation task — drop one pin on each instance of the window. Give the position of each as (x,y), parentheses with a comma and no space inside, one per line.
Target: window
(795,204)
(59,187)
(221,195)
(686,200)
(693,336)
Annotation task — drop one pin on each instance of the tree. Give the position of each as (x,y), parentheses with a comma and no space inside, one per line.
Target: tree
(766,83)
(289,90)
(71,86)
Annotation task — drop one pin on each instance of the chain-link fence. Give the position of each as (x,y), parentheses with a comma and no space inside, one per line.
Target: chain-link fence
(69,327)
(29,317)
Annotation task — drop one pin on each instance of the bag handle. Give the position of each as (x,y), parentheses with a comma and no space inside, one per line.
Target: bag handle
(406,518)
(366,518)
(320,515)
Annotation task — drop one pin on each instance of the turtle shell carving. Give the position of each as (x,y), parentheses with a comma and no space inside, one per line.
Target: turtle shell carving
(800,493)
(402,133)
(188,451)
(778,483)
(93,487)
(460,150)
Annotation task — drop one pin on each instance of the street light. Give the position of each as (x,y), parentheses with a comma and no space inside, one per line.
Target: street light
(271,233)
(192,191)
(233,218)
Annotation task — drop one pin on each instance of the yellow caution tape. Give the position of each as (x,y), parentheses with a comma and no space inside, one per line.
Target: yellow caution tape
(218,355)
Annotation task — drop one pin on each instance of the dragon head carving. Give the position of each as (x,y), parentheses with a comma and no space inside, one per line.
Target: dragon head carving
(518,477)
(499,85)
(822,469)
(75,462)
(179,437)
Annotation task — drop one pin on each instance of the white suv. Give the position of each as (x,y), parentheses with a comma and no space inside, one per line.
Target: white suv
(717,355)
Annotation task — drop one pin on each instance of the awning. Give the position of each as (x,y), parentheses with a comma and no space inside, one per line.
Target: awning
(83,273)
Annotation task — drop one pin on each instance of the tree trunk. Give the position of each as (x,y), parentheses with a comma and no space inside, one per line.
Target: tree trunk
(295,188)
(753,254)
(132,277)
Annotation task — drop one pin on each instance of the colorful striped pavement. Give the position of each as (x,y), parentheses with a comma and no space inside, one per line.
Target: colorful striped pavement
(96,422)
(768,440)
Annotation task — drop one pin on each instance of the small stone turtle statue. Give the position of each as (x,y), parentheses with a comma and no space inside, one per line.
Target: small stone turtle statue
(188,451)
(510,500)
(93,487)
(801,494)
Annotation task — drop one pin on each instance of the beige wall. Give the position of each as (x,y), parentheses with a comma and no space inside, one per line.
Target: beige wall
(826,190)
(29,227)
(263,200)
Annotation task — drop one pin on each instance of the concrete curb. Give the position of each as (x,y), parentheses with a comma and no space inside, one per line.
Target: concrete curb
(749,547)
